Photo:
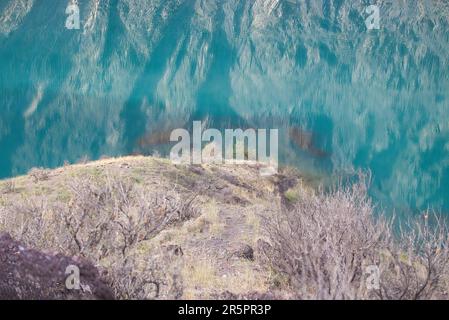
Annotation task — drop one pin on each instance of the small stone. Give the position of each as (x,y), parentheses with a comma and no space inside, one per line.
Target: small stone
(244,251)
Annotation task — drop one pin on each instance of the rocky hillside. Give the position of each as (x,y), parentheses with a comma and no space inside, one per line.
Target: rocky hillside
(153,229)
(134,69)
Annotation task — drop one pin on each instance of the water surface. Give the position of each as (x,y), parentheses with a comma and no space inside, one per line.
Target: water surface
(358,99)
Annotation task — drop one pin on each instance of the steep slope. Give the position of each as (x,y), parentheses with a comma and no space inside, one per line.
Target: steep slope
(371,99)
(154,229)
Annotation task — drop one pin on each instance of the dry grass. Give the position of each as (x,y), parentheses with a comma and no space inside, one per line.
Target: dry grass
(8,186)
(212,218)
(202,281)
(125,214)
(117,212)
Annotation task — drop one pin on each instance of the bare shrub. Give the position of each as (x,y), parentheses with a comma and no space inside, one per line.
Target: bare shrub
(119,214)
(105,219)
(158,278)
(38,174)
(419,261)
(326,242)
(24,219)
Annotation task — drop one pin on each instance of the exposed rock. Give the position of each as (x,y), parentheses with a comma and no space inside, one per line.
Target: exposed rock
(234,180)
(30,274)
(285,183)
(197,169)
(244,251)
(182,226)
(174,250)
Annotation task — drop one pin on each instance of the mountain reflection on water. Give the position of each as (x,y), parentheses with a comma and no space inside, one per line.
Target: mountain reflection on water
(343,97)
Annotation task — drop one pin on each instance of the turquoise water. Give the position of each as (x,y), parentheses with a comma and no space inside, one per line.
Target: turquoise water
(344,97)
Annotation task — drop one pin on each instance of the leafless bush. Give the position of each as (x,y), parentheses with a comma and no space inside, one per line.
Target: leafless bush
(119,214)
(104,219)
(419,261)
(25,220)
(160,278)
(326,242)
(38,174)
